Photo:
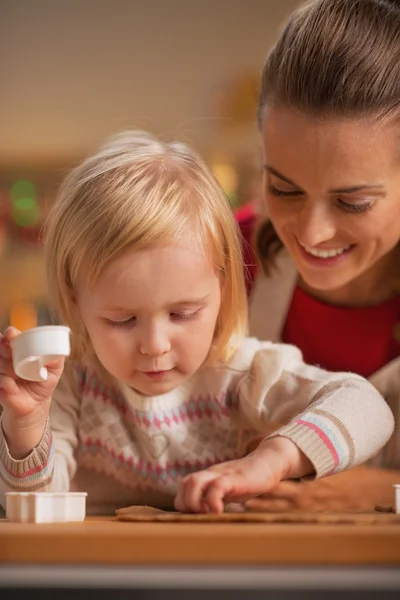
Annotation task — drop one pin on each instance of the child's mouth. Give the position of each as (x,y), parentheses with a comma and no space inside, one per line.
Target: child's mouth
(156,374)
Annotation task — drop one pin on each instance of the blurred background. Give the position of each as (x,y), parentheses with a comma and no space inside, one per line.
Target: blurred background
(75,71)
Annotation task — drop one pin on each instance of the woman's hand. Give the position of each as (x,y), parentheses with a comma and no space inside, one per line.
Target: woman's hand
(361,488)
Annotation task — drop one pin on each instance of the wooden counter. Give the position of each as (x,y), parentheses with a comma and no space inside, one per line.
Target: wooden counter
(110,542)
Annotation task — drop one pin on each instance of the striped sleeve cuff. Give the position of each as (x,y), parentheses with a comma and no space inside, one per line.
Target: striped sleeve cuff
(33,473)
(323,439)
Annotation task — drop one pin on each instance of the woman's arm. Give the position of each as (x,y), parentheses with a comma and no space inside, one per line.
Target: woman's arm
(361,488)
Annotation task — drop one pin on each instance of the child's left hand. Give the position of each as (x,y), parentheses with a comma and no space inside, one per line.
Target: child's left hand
(239,480)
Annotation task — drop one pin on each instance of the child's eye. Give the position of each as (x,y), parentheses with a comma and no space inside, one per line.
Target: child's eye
(183,316)
(127,323)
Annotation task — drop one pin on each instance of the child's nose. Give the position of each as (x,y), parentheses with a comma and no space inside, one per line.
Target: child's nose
(155,342)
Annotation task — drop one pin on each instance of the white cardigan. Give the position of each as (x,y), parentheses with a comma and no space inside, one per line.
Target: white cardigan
(269,304)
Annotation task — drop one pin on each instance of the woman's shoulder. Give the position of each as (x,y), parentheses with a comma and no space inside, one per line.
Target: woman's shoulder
(270,298)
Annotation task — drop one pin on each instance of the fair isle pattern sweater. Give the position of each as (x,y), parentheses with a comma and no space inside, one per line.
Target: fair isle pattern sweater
(124,448)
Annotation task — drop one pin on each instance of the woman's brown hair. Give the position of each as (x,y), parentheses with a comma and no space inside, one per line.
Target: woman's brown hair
(334,58)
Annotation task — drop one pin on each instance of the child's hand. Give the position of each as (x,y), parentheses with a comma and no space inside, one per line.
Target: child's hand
(239,480)
(25,403)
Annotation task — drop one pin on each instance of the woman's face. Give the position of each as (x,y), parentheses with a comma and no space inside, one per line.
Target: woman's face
(333,195)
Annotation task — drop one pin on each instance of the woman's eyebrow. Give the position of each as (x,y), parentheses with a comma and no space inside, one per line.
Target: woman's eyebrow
(280,176)
(341,190)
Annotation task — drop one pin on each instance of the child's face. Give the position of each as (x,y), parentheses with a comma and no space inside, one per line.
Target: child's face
(152,314)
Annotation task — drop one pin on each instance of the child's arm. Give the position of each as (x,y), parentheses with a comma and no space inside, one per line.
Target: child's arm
(33,455)
(319,423)
(338,420)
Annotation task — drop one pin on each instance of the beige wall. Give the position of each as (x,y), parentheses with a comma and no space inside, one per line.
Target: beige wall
(72,71)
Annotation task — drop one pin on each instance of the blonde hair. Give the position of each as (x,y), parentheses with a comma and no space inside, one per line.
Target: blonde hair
(335,59)
(135,192)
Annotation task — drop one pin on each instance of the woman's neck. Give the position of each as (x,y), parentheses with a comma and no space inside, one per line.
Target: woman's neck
(378,284)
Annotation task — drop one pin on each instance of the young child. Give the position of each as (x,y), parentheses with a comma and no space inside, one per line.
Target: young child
(163,392)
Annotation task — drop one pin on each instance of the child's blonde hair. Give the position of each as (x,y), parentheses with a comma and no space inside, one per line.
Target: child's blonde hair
(135,192)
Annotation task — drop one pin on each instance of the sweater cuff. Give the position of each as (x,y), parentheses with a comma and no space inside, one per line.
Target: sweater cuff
(316,446)
(32,473)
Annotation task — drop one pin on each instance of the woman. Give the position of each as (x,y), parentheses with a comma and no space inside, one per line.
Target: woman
(329,280)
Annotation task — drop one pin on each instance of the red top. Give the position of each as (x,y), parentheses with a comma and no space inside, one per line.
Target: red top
(337,338)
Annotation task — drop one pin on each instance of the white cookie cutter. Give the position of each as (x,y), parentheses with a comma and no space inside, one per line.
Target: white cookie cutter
(45,507)
(397,498)
(35,348)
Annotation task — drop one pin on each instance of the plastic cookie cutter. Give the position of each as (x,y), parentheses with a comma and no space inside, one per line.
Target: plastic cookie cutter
(397,498)
(35,348)
(45,507)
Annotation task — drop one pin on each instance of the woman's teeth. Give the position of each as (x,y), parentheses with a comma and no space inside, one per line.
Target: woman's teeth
(325,253)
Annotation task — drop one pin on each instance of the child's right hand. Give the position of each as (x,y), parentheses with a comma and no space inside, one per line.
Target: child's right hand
(25,404)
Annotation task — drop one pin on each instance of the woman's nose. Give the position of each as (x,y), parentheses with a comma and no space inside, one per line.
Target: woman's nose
(314,226)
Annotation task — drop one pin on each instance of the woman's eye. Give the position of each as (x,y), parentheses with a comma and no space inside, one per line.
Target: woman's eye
(276,192)
(355,208)
(346,206)
(121,324)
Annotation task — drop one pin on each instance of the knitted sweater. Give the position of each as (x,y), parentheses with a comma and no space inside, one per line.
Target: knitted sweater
(124,448)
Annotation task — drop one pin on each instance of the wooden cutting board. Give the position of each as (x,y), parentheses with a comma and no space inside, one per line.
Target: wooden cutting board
(149,514)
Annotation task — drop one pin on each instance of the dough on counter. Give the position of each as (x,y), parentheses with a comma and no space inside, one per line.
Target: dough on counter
(139,510)
(148,514)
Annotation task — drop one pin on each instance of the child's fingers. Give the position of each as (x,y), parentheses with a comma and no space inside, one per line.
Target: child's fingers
(190,492)
(8,385)
(6,368)
(185,498)
(5,350)
(226,489)
(56,366)
(11,333)
(239,481)
(233,481)
(217,490)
